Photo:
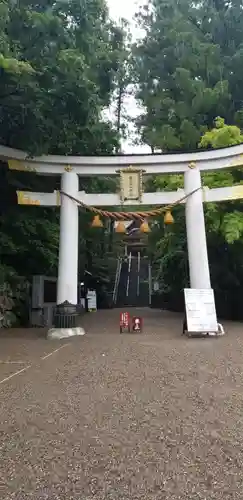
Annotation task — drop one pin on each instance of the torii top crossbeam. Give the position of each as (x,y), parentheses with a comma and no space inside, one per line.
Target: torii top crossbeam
(109,165)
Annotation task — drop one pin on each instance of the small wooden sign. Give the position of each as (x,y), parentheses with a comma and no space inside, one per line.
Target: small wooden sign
(131,184)
(124,321)
(137,324)
(92,300)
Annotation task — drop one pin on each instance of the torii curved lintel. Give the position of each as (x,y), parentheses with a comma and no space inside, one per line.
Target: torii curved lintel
(109,165)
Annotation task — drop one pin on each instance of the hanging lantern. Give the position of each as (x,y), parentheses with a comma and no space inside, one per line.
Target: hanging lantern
(120,228)
(168,218)
(144,228)
(97,222)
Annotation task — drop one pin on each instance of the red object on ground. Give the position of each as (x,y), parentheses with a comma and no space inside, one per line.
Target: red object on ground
(124,321)
(137,324)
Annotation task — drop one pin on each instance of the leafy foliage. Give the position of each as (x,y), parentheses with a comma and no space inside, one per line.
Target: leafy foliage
(58,64)
(222,135)
(188,69)
(59,67)
(224,223)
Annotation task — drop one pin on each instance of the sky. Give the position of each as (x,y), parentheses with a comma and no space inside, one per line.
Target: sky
(127,9)
(124,8)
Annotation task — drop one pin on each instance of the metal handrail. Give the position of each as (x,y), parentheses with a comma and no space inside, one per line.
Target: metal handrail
(117,279)
(128,274)
(138,275)
(150,282)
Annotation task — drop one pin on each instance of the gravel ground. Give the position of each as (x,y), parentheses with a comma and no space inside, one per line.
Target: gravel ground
(149,416)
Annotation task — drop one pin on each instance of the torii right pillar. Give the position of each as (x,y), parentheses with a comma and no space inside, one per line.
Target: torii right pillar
(195,228)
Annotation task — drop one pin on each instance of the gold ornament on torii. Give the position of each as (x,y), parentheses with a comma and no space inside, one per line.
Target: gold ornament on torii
(131,184)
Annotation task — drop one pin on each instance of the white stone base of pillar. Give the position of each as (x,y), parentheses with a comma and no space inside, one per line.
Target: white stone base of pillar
(63,333)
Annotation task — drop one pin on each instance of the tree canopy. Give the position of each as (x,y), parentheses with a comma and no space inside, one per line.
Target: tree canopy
(58,64)
(188,69)
(221,135)
(59,67)
(224,224)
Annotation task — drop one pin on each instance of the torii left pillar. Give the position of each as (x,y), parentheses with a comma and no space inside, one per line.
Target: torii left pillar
(67,282)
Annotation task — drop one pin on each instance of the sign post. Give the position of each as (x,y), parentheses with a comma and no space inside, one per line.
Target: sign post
(201,318)
(124,322)
(131,184)
(92,300)
(137,324)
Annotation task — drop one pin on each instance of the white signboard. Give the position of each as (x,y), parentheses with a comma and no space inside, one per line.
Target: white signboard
(200,310)
(92,300)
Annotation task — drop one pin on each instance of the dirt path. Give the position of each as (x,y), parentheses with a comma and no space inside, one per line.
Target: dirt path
(130,417)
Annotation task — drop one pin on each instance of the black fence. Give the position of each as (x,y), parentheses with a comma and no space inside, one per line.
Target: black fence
(229,304)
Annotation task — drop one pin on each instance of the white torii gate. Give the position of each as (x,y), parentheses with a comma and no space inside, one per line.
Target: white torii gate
(70,167)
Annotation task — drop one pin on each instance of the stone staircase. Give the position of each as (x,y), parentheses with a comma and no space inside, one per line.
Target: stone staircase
(132,287)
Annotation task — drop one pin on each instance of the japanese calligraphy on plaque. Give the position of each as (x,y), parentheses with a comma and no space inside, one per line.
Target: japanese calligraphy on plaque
(131,184)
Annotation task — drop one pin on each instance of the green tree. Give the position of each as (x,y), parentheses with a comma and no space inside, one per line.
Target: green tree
(222,135)
(225,218)
(224,223)
(59,67)
(188,69)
